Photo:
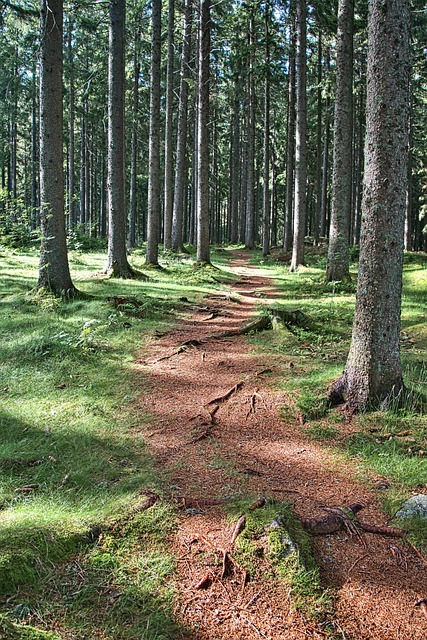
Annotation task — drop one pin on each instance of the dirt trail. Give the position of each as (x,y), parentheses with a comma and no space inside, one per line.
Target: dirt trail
(248,449)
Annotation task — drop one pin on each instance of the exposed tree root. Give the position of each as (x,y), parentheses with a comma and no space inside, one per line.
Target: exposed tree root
(226,395)
(241,523)
(345,518)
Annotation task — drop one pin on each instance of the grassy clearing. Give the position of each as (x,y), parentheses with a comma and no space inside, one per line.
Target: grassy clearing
(391,445)
(73,455)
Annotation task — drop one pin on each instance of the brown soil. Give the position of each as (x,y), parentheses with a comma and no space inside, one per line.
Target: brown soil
(247,449)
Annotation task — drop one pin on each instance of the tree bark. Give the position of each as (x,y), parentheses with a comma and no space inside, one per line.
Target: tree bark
(134,136)
(338,254)
(54,272)
(203,249)
(250,175)
(301,139)
(266,168)
(373,373)
(181,144)
(117,262)
(290,137)
(168,199)
(154,203)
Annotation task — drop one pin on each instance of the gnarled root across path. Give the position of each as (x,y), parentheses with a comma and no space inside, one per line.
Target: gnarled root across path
(216,432)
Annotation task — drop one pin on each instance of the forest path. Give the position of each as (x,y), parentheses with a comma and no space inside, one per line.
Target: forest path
(247,449)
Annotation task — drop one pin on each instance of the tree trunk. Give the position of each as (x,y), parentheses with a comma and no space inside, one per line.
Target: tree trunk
(134,136)
(54,272)
(116,259)
(266,162)
(168,199)
(203,249)
(373,373)
(338,254)
(250,175)
(181,144)
(301,139)
(290,137)
(154,203)
(318,204)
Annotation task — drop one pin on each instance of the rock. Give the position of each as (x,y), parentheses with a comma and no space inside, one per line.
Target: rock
(414,507)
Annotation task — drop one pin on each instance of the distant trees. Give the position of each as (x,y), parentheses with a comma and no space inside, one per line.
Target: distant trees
(252,44)
(373,373)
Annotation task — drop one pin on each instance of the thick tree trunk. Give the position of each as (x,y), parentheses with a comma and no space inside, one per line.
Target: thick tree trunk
(203,249)
(181,144)
(117,262)
(168,199)
(154,202)
(338,254)
(373,373)
(301,139)
(54,272)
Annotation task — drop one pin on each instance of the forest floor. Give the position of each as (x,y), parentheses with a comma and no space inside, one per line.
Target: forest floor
(241,445)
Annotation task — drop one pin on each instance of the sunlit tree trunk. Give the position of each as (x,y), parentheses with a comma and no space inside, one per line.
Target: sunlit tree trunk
(373,373)
(117,262)
(154,202)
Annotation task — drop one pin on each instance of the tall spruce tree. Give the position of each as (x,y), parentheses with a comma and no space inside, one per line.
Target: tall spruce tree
(373,373)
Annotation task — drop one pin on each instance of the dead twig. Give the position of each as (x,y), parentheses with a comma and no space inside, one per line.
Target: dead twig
(365,555)
(421,557)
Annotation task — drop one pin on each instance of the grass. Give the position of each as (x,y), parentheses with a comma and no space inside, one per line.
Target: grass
(73,455)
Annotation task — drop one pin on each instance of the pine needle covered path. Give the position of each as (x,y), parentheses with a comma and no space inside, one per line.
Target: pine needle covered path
(216,433)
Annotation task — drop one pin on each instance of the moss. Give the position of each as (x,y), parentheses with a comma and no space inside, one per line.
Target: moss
(10,631)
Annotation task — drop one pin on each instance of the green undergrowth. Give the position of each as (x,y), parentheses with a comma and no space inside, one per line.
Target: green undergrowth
(73,454)
(389,445)
(273,534)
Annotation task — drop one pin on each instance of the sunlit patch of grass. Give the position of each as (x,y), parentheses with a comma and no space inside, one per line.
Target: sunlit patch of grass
(73,453)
